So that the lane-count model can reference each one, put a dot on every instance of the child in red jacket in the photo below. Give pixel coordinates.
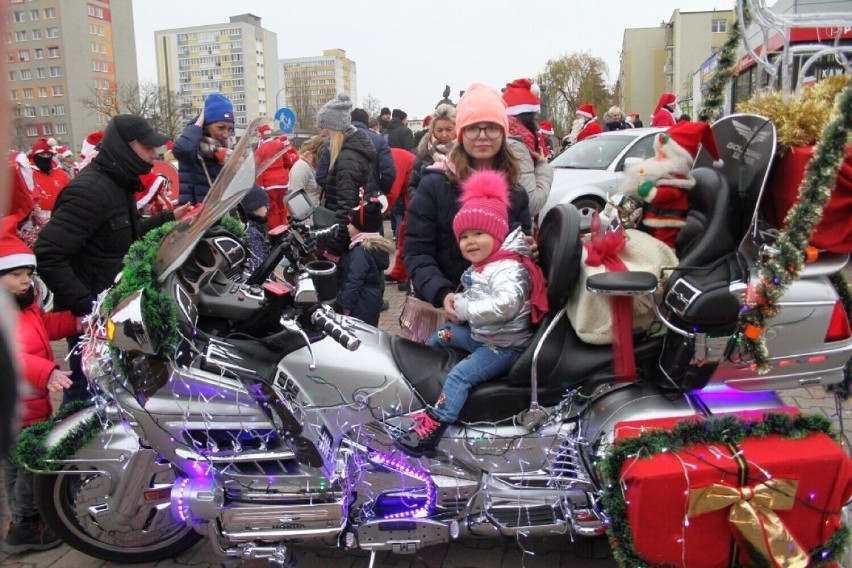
(35, 331)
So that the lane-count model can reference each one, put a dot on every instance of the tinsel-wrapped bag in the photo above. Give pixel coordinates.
(419, 320)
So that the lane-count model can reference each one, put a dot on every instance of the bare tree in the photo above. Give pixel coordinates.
(372, 105)
(158, 105)
(570, 81)
(300, 102)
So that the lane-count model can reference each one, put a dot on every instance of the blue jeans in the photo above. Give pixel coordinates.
(484, 363)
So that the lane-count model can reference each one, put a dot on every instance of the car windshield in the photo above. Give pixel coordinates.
(595, 153)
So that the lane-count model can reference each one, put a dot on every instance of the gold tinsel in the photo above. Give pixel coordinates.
(799, 120)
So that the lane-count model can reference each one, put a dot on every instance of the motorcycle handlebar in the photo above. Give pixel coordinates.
(335, 330)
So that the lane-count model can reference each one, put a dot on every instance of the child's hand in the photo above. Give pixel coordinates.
(81, 323)
(450, 308)
(58, 380)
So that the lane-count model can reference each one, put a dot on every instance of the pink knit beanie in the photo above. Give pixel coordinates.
(485, 205)
(481, 103)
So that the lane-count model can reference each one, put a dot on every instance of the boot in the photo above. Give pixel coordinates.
(424, 438)
(29, 535)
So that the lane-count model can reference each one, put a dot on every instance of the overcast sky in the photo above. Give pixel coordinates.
(406, 51)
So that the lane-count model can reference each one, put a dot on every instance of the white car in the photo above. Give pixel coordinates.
(591, 170)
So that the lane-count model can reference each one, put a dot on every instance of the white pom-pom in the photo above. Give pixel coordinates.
(535, 89)
(718, 163)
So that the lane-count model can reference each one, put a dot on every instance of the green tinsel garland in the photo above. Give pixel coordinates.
(782, 269)
(234, 226)
(714, 97)
(159, 308)
(687, 433)
(31, 451)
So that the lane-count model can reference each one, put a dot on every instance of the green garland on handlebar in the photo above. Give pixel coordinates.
(31, 449)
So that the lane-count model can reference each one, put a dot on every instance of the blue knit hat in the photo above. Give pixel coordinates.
(217, 108)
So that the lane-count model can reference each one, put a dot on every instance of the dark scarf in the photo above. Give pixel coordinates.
(45, 164)
(120, 160)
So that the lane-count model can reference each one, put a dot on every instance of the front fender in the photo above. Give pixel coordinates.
(91, 439)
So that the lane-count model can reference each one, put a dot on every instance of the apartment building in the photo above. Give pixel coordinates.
(665, 59)
(59, 52)
(238, 59)
(310, 82)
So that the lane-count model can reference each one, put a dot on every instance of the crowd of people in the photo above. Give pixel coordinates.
(463, 197)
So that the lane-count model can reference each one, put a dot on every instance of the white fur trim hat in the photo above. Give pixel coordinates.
(13, 252)
(520, 98)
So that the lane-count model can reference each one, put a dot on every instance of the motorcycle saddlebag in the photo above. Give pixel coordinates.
(699, 298)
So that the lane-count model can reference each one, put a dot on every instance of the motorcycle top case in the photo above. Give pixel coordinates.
(657, 494)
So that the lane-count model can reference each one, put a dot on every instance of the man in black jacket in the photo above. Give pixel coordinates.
(398, 132)
(95, 220)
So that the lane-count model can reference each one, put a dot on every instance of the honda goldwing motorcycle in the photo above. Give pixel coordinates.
(252, 414)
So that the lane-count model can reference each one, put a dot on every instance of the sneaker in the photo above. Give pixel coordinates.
(385, 305)
(424, 438)
(402, 286)
(30, 535)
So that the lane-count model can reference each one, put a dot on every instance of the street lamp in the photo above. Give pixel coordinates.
(278, 94)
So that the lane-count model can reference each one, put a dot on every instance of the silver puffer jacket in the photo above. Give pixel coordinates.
(496, 300)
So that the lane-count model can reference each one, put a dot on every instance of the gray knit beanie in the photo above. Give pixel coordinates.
(334, 114)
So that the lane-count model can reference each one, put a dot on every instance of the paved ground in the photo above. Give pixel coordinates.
(496, 553)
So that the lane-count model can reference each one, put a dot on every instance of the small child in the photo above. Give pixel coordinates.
(35, 330)
(504, 296)
(362, 270)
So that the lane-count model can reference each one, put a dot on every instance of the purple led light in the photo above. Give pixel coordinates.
(182, 510)
(408, 471)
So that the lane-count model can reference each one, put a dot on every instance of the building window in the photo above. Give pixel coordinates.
(13, 75)
(49, 13)
(52, 33)
(719, 26)
(21, 36)
(29, 111)
(62, 128)
(34, 15)
(20, 17)
(26, 74)
(39, 53)
(42, 92)
(23, 55)
(45, 110)
(40, 73)
(55, 72)
(57, 91)
(28, 93)
(32, 130)
(59, 109)
(47, 130)
(36, 34)
(13, 94)
(52, 52)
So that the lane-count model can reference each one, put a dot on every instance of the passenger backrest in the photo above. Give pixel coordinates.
(708, 233)
(559, 252)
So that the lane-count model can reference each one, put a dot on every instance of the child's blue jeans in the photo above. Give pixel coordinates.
(484, 363)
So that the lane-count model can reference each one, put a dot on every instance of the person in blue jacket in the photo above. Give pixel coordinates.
(362, 280)
(203, 147)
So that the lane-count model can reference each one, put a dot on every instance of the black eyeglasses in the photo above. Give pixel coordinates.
(492, 131)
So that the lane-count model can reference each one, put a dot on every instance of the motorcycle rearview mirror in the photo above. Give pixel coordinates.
(299, 204)
(126, 327)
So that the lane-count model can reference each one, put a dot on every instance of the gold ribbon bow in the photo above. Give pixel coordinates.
(752, 513)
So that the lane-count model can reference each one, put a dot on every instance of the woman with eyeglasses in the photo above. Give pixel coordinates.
(431, 254)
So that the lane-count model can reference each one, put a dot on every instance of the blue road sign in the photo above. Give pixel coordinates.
(286, 120)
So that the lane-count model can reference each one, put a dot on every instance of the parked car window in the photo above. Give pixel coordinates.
(643, 150)
(595, 153)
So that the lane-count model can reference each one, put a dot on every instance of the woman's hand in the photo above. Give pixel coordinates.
(450, 308)
(533, 246)
(200, 120)
(58, 380)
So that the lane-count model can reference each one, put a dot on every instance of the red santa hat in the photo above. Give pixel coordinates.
(64, 151)
(13, 252)
(546, 128)
(151, 184)
(265, 131)
(665, 99)
(41, 146)
(427, 121)
(91, 141)
(684, 138)
(588, 111)
(520, 97)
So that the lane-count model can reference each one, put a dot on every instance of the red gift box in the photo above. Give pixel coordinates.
(834, 232)
(657, 489)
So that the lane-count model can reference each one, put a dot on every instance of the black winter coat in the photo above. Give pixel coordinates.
(362, 287)
(349, 174)
(431, 254)
(399, 135)
(194, 184)
(94, 222)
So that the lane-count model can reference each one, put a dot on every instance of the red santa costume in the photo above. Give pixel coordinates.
(35, 330)
(662, 182)
(49, 178)
(153, 198)
(275, 179)
(545, 131)
(586, 124)
(664, 113)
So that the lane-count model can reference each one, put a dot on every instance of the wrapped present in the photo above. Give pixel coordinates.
(758, 500)
(834, 232)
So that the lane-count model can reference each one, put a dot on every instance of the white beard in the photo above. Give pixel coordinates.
(663, 165)
(576, 128)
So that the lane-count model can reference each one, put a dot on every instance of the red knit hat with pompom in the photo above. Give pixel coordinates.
(485, 205)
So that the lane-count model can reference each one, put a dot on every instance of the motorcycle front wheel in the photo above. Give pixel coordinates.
(75, 507)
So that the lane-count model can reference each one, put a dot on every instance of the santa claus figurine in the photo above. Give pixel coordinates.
(661, 183)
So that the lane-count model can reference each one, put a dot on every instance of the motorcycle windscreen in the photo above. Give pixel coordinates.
(230, 187)
(746, 144)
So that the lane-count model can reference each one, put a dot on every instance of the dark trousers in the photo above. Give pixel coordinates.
(79, 389)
